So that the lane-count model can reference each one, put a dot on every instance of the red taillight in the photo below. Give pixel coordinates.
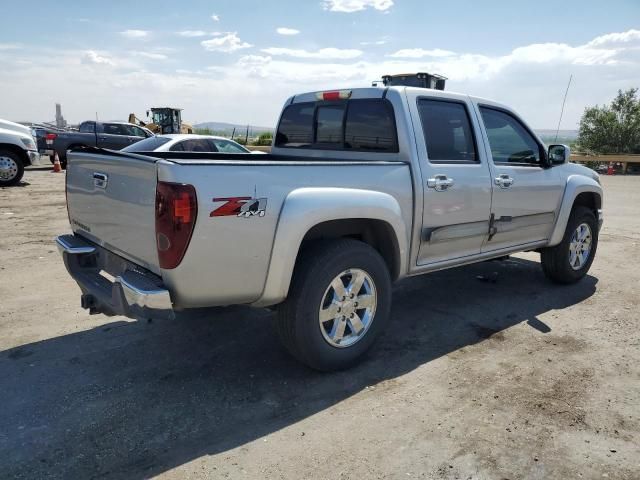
(49, 138)
(176, 211)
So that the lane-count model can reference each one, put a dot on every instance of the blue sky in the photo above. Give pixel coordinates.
(238, 61)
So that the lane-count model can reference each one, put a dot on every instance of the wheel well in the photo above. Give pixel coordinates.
(17, 150)
(590, 200)
(376, 233)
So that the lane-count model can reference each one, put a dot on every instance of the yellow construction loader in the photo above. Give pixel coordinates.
(163, 120)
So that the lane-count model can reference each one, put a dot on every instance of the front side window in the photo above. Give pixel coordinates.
(447, 131)
(509, 140)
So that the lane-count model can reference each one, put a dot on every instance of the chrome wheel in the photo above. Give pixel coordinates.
(8, 168)
(580, 246)
(348, 307)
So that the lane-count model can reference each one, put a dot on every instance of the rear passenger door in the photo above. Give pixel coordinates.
(455, 177)
(526, 193)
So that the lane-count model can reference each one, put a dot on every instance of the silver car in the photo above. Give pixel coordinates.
(187, 143)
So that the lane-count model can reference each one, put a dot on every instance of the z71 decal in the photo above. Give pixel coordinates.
(240, 207)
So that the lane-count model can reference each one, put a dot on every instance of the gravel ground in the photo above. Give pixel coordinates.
(474, 380)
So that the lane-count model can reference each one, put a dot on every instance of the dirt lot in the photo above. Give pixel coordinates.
(475, 380)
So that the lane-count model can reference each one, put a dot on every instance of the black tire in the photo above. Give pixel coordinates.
(19, 171)
(555, 260)
(297, 319)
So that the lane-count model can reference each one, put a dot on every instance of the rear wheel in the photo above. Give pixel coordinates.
(11, 168)
(338, 303)
(571, 259)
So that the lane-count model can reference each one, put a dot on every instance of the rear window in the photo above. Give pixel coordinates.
(354, 125)
(146, 145)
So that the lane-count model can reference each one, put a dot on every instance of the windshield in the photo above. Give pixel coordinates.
(146, 145)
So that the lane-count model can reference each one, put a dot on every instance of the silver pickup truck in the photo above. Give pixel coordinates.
(363, 187)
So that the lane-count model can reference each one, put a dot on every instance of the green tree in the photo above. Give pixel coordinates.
(264, 138)
(613, 128)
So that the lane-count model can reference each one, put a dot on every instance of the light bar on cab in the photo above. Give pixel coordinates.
(334, 95)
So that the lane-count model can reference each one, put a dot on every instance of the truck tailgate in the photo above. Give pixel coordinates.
(111, 201)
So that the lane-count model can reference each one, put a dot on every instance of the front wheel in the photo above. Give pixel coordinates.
(571, 259)
(338, 303)
(11, 168)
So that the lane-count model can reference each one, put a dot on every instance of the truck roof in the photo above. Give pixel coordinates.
(380, 92)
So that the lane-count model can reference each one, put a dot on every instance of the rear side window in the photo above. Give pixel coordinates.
(447, 131)
(87, 127)
(114, 129)
(354, 125)
(194, 145)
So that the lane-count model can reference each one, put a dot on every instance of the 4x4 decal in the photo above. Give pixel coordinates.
(240, 207)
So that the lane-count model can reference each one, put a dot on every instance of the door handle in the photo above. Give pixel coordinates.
(440, 183)
(504, 181)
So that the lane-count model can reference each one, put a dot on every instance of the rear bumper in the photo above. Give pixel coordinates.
(127, 289)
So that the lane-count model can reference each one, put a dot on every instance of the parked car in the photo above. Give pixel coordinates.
(111, 135)
(18, 149)
(363, 187)
(187, 143)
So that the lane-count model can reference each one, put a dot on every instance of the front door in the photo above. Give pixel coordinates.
(456, 179)
(526, 193)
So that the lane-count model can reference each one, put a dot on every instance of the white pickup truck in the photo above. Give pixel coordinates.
(18, 149)
(363, 187)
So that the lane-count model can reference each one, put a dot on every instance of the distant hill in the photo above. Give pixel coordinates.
(228, 127)
(564, 135)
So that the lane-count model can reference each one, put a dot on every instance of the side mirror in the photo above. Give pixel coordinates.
(559, 154)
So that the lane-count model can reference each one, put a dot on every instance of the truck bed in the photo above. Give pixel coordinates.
(228, 258)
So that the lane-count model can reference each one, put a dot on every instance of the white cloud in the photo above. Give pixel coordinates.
(227, 43)
(135, 33)
(375, 42)
(215, 18)
(349, 6)
(531, 78)
(615, 38)
(95, 58)
(420, 53)
(192, 33)
(9, 46)
(150, 55)
(287, 31)
(323, 53)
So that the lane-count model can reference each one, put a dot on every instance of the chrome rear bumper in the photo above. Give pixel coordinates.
(130, 291)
